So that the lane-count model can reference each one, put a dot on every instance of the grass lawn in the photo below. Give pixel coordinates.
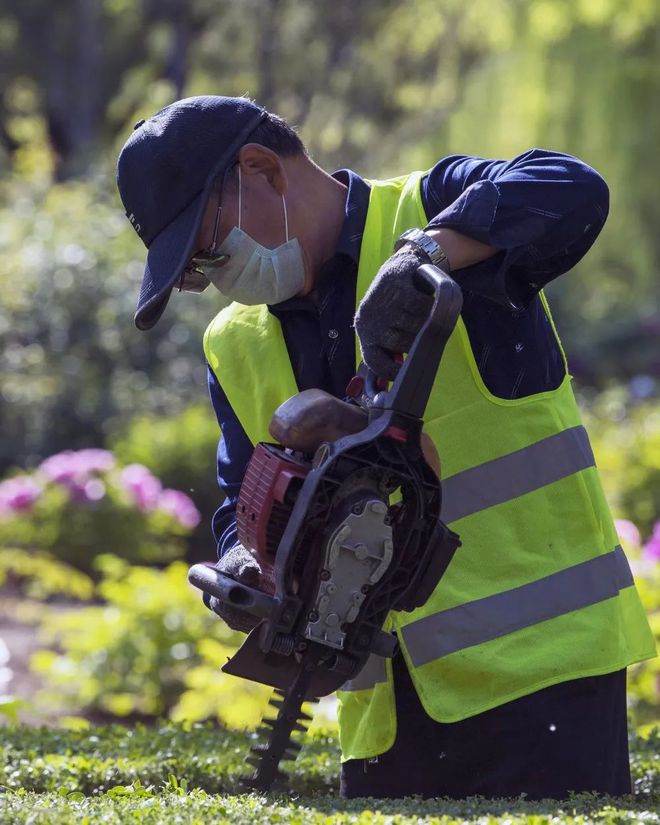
(169, 774)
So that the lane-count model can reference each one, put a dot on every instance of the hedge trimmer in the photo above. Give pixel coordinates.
(345, 527)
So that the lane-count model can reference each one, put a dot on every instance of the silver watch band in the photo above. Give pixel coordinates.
(435, 252)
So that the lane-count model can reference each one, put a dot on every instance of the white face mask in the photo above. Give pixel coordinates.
(255, 274)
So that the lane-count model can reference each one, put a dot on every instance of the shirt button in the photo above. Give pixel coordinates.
(333, 333)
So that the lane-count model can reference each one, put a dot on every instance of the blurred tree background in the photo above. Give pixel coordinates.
(380, 86)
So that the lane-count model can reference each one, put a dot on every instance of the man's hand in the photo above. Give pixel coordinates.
(237, 563)
(392, 312)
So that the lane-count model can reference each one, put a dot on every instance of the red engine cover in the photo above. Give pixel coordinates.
(263, 511)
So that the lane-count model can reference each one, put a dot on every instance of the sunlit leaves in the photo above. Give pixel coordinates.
(549, 20)
(152, 648)
(626, 441)
(41, 576)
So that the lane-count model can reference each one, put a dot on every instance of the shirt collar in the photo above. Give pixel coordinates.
(355, 214)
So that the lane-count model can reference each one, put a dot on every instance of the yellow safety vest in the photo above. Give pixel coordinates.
(540, 591)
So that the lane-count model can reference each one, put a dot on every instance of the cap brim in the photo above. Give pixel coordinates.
(167, 258)
(173, 247)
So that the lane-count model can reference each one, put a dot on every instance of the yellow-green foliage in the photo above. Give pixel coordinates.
(210, 694)
(644, 678)
(40, 576)
(151, 649)
(626, 443)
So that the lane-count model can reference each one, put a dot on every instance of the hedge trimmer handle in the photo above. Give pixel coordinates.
(411, 388)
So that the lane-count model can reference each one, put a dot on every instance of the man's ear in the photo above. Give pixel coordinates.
(256, 159)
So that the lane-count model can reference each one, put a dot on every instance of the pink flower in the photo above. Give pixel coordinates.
(61, 467)
(180, 506)
(75, 466)
(89, 492)
(18, 494)
(143, 486)
(651, 550)
(74, 470)
(628, 532)
(95, 461)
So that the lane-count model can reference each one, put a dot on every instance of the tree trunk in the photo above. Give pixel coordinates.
(268, 51)
(176, 69)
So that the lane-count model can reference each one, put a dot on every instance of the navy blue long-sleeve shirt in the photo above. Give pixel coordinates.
(542, 209)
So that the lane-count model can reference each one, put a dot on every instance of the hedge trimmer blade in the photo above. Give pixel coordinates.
(280, 744)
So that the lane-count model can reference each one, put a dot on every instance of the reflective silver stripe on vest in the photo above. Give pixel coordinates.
(373, 672)
(489, 618)
(515, 474)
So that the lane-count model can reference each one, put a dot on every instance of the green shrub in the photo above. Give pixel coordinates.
(140, 652)
(98, 758)
(80, 504)
(173, 774)
(181, 451)
(73, 368)
(625, 436)
(626, 441)
(135, 804)
(644, 677)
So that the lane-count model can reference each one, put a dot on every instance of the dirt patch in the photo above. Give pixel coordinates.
(19, 639)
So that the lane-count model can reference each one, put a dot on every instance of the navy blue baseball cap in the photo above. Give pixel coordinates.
(165, 174)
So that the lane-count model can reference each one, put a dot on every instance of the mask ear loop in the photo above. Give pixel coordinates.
(240, 206)
(240, 201)
(286, 219)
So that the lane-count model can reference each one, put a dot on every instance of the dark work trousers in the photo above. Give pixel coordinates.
(568, 737)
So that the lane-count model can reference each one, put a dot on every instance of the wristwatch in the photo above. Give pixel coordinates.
(435, 252)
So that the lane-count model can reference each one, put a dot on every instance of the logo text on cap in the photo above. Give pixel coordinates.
(136, 226)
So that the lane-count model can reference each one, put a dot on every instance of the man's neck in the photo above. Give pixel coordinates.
(318, 202)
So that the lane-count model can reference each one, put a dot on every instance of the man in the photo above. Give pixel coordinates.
(512, 676)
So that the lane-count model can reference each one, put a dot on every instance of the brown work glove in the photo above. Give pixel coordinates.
(392, 312)
(239, 564)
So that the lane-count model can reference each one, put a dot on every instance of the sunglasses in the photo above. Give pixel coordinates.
(196, 276)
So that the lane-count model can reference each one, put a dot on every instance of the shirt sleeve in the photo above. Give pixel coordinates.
(542, 209)
(234, 452)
